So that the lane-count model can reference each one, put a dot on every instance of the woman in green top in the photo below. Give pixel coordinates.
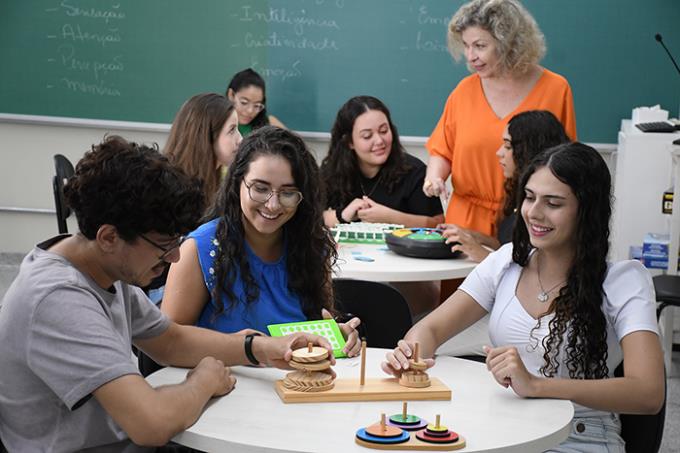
(246, 91)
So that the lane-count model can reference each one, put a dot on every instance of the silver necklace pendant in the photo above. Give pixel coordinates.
(542, 297)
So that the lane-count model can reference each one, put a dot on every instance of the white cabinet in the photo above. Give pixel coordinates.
(644, 165)
(643, 173)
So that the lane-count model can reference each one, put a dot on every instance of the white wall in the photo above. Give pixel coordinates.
(26, 169)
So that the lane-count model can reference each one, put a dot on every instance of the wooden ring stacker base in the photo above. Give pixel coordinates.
(311, 366)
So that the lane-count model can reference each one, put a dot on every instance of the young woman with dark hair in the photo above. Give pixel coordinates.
(265, 256)
(526, 135)
(247, 92)
(561, 317)
(203, 139)
(367, 174)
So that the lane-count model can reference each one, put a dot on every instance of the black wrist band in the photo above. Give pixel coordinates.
(248, 346)
(338, 214)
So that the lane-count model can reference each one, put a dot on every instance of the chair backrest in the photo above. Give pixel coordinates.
(63, 170)
(643, 433)
(383, 311)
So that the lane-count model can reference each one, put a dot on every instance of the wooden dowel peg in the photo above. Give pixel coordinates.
(416, 353)
(362, 378)
(382, 422)
(437, 424)
(403, 410)
(310, 347)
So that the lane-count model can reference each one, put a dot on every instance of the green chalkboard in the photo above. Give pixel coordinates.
(138, 60)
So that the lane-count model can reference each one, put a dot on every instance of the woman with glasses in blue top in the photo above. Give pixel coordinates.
(264, 257)
(246, 91)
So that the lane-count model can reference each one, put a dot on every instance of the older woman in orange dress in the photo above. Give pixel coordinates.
(502, 45)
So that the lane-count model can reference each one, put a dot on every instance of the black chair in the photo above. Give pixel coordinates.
(146, 364)
(384, 313)
(64, 170)
(643, 433)
(667, 288)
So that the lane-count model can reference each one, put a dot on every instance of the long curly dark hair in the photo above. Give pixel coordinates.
(530, 133)
(578, 307)
(244, 79)
(311, 252)
(340, 168)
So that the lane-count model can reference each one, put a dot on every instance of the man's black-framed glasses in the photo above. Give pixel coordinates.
(166, 250)
(261, 193)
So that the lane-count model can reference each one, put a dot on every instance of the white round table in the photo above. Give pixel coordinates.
(378, 263)
(253, 418)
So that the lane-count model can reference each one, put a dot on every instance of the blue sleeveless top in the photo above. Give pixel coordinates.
(275, 304)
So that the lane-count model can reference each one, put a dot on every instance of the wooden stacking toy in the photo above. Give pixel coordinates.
(313, 370)
(416, 375)
(313, 382)
(395, 435)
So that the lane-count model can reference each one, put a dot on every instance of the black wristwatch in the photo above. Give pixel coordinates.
(248, 346)
(338, 214)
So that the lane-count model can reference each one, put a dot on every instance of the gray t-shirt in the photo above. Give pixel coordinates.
(61, 338)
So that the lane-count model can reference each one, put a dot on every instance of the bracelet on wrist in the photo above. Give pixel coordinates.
(338, 214)
(248, 346)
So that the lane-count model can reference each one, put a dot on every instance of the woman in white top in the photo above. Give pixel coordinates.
(561, 317)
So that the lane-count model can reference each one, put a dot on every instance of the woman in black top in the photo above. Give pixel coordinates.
(367, 174)
(525, 136)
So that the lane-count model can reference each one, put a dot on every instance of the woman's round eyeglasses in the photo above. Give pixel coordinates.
(246, 104)
(261, 193)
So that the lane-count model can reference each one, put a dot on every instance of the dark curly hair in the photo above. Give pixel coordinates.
(134, 188)
(311, 250)
(247, 78)
(578, 307)
(340, 168)
(530, 133)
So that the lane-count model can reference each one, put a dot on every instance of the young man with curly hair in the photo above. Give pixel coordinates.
(68, 380)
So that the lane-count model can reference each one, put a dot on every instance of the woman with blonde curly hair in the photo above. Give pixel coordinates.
(502, 46)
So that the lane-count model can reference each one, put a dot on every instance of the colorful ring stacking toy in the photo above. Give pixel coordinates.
(420, 243)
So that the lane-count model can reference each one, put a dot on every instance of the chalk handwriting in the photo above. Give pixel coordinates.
(98, 68)
(298, 20)
(338, 3)
(93, 13)
(424, 18)
(429, 45)
(97, 89)
(275, 40)
(276, 73)
(76, 34)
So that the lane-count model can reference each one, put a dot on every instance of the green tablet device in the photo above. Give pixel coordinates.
(327, 328)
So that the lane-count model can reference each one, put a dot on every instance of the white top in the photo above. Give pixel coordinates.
(377, 263)
(629, 305)
(253, 418)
